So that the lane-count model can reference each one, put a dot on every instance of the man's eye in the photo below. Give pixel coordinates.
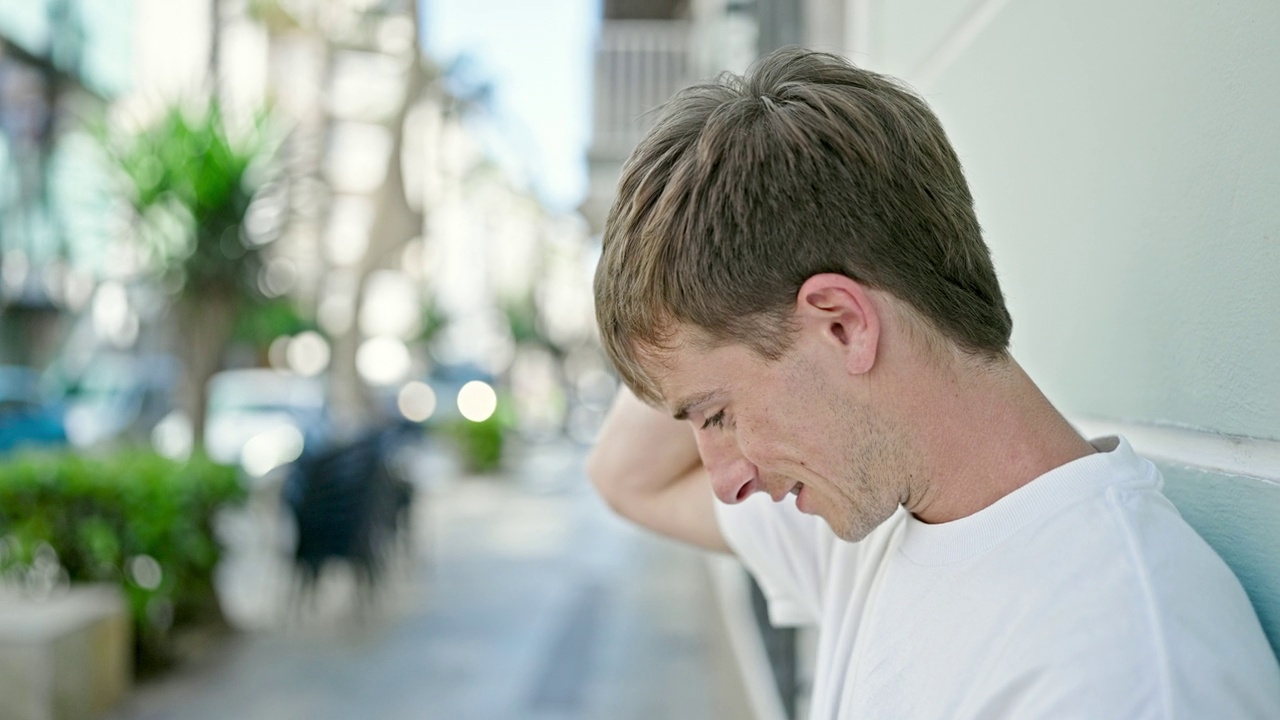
(716, 420)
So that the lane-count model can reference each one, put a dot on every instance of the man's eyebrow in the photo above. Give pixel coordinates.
(684, 406)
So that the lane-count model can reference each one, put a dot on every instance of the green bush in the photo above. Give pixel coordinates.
(480, 444)
(135, 519)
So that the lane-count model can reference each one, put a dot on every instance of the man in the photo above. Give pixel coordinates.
(793, 269)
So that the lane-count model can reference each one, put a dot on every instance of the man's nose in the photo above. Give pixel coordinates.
(733, 477)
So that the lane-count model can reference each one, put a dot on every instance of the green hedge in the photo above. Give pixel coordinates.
(481, 445)
(135, 518)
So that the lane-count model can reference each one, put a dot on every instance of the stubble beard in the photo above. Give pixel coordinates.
(872, 492)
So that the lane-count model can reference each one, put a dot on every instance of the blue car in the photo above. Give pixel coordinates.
(26, 418)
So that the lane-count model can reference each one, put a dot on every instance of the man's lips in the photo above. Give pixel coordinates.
(803, 499)
(793, 490)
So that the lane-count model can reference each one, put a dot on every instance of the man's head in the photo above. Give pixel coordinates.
(748, 186)
(768, 234)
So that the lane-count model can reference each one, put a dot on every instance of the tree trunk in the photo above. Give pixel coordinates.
(205, 321)
(215, 47)
(395, 224)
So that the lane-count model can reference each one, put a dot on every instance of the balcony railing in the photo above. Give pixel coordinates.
(639, 65)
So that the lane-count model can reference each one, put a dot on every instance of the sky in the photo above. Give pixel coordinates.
(538, 56)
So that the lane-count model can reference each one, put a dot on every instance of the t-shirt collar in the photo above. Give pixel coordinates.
(969, 536)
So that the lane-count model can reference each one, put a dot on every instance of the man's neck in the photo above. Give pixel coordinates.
(985, 432)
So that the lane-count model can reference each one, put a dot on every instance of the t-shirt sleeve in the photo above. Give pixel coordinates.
(786, 551)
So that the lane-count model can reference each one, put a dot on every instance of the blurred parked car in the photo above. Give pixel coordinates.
(27, 416)
(262, 419)
(119, 397)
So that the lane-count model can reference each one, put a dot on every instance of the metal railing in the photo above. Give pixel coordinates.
(639, 65)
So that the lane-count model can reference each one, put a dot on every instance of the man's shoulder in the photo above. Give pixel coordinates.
(1130, 603)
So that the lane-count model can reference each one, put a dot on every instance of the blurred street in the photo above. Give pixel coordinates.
(525, 598)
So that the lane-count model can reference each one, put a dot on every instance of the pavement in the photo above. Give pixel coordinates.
(522, 597)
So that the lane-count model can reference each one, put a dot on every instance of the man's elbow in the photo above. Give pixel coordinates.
(605, 478)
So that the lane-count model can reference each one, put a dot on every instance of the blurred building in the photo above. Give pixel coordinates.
(59, 59)
(394, 215)
(400, 216)
(647, 51)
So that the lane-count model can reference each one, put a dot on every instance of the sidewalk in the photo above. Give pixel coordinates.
(526, 600)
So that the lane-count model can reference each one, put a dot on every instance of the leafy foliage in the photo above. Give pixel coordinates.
(258, 325)
(191, 185)
(135, 519)
(522, 317)
(433, 322)
(206, 214)
(482, 445)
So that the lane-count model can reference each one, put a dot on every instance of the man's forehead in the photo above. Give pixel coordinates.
(665, 381)
(682, 376)
(657, 361)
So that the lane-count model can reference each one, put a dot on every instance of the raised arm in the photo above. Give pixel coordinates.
(646, 467)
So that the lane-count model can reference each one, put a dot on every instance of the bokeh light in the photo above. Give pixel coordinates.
(173, 437)
(146, 572)
(383, 360)
(416, 401)
(308, 353)
(270, 449)
(477, 401)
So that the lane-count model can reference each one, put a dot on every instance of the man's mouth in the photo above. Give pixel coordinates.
(795, 489)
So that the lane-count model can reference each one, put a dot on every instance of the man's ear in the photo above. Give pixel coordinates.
(840, 312)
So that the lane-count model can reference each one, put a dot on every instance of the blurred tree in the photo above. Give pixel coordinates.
(261, 323)
(337, 29)
(396, 222)
(526, 326)
(192, 186)
(432, 323)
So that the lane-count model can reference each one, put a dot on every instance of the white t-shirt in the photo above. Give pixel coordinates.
(1080, 595)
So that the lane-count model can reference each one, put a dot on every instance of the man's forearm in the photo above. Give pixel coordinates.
(646, 467)
(640, 451)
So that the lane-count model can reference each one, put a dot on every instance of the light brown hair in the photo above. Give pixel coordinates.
(748, 186)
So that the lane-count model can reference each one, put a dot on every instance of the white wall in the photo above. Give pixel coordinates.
(1126, 164)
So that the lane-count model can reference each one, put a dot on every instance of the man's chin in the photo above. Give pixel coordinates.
(853, 529)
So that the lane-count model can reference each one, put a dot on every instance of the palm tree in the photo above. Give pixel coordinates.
(191, 185)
